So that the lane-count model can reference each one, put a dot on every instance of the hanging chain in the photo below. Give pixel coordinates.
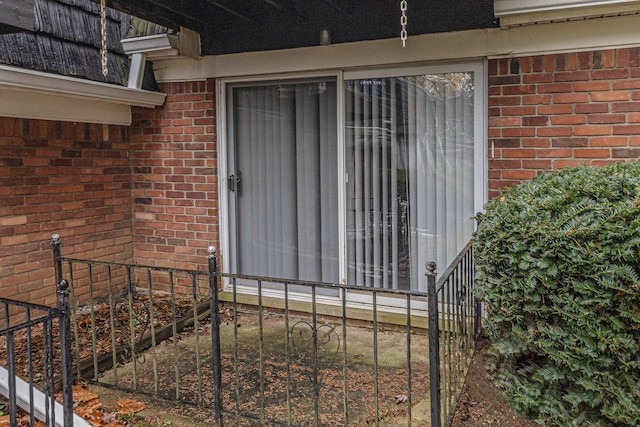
(103, 30)
(403, 22)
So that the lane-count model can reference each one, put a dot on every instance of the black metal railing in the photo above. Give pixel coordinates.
(275, 351)
(454, 327)
(36, 356)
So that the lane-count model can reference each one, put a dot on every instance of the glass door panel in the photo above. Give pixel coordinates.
(410, 176)
(282, 187)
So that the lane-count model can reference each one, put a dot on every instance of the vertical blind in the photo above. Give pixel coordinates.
(410, 168)
(285, 209)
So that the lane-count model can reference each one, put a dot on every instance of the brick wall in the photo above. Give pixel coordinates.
(175, 193)
(552, 111)
(58, 177)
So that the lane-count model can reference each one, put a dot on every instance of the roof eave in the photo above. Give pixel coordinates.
(69, 99)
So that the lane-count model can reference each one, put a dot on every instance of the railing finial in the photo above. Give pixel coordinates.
(55, 239)
(212, 251)
(431, 268)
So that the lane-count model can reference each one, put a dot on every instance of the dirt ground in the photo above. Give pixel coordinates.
(481, 404)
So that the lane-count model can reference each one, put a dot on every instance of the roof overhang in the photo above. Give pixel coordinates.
(32, 94)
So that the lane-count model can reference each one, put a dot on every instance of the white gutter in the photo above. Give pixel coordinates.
(33, 94)
(527, 12)
(38, 82)
(510, 7)
(38, 405)
(158, 46)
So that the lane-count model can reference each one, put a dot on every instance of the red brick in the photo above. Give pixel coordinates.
(610, 96)
(584, 60)
(549, 63)
(592, 86)
(609, 74)
(571, 76)
(536, 99)
(585, 153)
(608, 141)
(519, 90)
(537, 78)
(572, 119)
(519, 174)
(505, 164)
(555, 109)
(554, 153)
(560, 164)
(569, 142)
(536, 142)
(536, 164)
(570, 98)
(608, 58)
(626, 130)
(554, 131)
(555, 88)
(518, 111)
(572, 61)
(626, 84)
(535, 121)
(511, 132)
(505, 100)
(592, 130)
(625, 106)
(504, 121)
(608, 118)
(492, 67)
(592, 108)
(518, 153)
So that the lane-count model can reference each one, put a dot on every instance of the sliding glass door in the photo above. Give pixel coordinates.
(283, 179)
(360, 180)
(410, 165)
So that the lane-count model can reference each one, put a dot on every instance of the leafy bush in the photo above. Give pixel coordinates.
(558, 259)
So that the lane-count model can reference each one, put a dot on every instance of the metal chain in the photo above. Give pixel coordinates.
(403, 22)
(103, 30)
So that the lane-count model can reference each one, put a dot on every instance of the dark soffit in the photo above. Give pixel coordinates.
(232, 26)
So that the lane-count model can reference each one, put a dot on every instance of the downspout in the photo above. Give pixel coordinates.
(159, 46)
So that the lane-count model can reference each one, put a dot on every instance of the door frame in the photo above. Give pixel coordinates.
(223, 156)
(478, 67)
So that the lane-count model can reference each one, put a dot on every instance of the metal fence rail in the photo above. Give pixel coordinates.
(454, 327)
(34, 360)
(275, 351)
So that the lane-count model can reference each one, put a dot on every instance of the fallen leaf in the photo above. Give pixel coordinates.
(130, 406)
(81, 394)
(400, 398)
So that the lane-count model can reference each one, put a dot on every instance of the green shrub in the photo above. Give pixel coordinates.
(558, 260)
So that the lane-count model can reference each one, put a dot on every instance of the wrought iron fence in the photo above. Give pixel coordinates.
(454, 327)
(36, 351)
(275, 351)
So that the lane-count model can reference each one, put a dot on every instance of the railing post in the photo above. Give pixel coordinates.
(64, 324)
(215, 336)
(57, 261)
(434, 345)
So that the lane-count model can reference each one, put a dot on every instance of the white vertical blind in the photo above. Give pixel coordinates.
(410, 193)
(285, 150)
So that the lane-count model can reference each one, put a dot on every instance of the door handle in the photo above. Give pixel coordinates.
(233, 183)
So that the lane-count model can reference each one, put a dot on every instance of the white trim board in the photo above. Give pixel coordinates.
(36, 95)
(39, 403)
(571, 36)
